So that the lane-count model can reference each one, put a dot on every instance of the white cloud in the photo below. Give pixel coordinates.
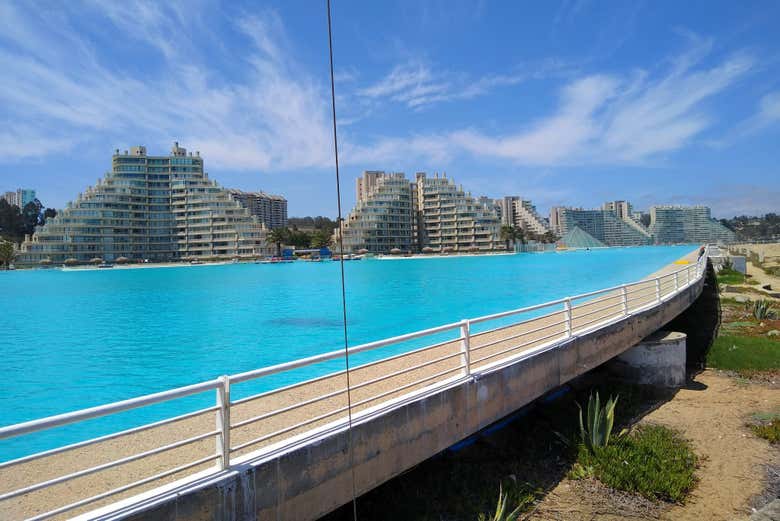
(606, 119)
(416, 85)
(268, 116)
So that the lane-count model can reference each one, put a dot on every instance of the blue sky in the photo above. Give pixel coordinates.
(572, 103)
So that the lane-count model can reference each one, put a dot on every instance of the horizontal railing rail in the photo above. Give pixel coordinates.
(310, 404)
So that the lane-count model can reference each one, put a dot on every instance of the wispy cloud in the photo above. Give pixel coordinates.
(418, 85)
(268, 116)
(608, 119)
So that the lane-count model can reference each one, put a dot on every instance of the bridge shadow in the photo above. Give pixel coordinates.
(528, 453)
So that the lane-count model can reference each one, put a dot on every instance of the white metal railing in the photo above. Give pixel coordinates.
(552, 323)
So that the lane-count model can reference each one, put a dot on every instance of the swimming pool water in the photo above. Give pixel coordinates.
(75, 339)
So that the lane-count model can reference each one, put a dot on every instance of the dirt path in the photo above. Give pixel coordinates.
(711, 413)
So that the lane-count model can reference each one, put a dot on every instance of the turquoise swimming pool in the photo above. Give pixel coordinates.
(75, 339)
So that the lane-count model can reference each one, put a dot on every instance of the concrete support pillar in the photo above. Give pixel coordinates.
(658, 360)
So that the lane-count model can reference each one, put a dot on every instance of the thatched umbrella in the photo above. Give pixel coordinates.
(395, 251)
(362, 251)
(122, 260)
(44, 262)
(428, 249)
(448, 249)
(96, 260)
(71, 262)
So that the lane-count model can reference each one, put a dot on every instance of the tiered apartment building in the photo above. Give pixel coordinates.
(605, 225)
(270, 209)
(393, 212)
(521, 213)
(383, 217)
(687, 224)
(449, 219)
(160, 208)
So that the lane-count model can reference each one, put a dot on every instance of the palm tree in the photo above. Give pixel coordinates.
(278, 236)
(508, 234)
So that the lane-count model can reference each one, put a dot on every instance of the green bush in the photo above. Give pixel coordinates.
(653, 461)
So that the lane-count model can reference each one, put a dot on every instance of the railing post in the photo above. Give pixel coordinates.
(465, 346)
(223, 422)
(567, 316)
(624, 294)
(676, 281)
(658, 289)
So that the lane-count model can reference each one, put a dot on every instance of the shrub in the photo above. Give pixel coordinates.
(600, 420)
(763, 310)
(502, 513)
(654, 461)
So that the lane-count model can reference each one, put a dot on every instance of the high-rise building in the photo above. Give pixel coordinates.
(24, 196)
(603, 225)
(271, 210)
(521, 213)
(383, 217)
(10, 198)
(687, 224)
(21, 197)
(431, 212)
(160, 208)
(451, 219)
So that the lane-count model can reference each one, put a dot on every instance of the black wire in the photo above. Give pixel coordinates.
(341, 263)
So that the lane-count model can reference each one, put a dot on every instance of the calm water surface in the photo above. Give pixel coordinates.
(75, 339)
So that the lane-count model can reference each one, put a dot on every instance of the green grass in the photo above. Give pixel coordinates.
(727, 276)
(769, 431)
(653, 461)
(746, 353)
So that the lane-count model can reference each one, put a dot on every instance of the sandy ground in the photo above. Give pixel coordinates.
(769, 253)
(299, 404)
(712, 413)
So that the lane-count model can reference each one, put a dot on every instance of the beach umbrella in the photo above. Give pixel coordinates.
(71, 262)
(447, 249)
(428, 249)
(395, 251)
(362, 251)
(122, 260)
(473, 248)
(44, 261)
(96, 260)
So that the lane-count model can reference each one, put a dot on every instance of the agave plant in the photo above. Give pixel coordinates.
(501, 513)
(600, 420)
(763, 310)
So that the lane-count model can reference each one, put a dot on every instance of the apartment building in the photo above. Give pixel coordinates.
(383, 217)
(604, 225)
(687, 224)
(161, 208)
(449, 219)
(270, 209)
(393, 212)
(521, 213)
(21, 197)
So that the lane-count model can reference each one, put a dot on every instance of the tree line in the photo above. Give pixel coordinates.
(750, 228)
(303, 232)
